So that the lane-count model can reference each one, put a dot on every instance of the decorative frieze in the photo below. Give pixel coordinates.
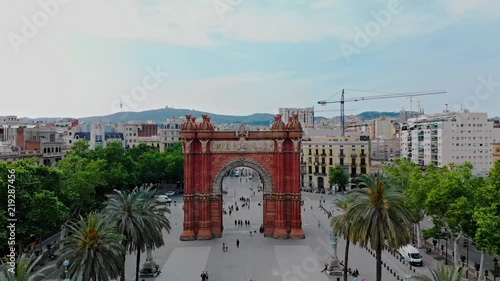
(242, 146)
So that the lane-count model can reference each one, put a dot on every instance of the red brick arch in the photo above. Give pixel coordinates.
(210, 155)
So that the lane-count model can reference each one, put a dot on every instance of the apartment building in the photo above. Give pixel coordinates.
(30, 140)
(306, 115)
(449, 137)
(170, 132)
(385, 150)
(134, 132)
(319, 154)
(496, 151)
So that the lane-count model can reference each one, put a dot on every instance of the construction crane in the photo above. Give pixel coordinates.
(386, 95)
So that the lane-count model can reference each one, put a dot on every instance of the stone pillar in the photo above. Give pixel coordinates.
(216, 207)
(204, 232)
(280, 228)
(297, 232)
(188, 226)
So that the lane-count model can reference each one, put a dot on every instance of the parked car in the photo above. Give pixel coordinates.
(170, 193)
(163, 199)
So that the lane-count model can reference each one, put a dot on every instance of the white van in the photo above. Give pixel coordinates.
(411, 255)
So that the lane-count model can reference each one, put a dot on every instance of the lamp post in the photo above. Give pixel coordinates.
(66, 264)
(467, 272)
(496, 269)
(446, 253)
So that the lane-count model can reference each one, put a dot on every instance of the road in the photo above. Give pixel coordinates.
(474, 254)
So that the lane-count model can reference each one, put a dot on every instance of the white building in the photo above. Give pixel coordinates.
(450, 137)
(306, 115)
(170, 132)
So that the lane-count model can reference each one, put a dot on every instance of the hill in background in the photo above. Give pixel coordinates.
(160, 115)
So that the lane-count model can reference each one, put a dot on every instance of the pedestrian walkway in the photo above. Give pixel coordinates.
(299, 263)
(185, 264)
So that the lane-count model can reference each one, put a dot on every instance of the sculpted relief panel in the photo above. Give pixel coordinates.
(242, 146)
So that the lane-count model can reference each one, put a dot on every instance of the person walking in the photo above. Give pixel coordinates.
(237, 243)
(324, 269)
(235, 223)
(229, 212)
(203, 276)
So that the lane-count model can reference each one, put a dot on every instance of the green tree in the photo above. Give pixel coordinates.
(81, 178)
(341, 225)
(94, 251)
(378, 215)
(24, 270)
(138, 220)
(338, 176)
(486, 215)
(441, 274)
(451, 203)
(30, 179)
(415, 184)
(47, 213)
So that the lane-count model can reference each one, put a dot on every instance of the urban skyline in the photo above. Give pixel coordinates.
(251, 52)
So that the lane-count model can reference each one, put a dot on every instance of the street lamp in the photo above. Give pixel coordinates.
(66, 264)
(467, 272)
(496, 269)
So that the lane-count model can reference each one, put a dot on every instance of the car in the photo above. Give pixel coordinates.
(163, 199)
(170, 193)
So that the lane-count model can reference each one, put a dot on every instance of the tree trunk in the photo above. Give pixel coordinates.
(379, 262)
(419, 236)
(455, 250)
(481, 268)
(122, 277)
(346, 257)
(137, 264)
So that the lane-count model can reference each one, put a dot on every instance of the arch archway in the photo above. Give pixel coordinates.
(210, 155)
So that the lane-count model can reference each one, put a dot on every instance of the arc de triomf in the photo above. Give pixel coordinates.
(210, 155)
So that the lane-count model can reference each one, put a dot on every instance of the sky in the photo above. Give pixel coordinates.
(78, 58)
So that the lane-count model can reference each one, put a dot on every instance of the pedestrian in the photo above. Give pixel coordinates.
(237, 243)
(203, 277)
(229, 212)
(223, 247)
(324, 269)
(248, 222)
(311, 207)
(206, 275)
(235, 223)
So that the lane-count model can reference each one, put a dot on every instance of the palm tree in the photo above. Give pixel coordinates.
(341, 225)
(378, 215)
(139, 220)
(94, 251)
(442, 274)
(24, 270)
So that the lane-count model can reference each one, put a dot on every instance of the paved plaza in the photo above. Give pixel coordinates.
(258, 258)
